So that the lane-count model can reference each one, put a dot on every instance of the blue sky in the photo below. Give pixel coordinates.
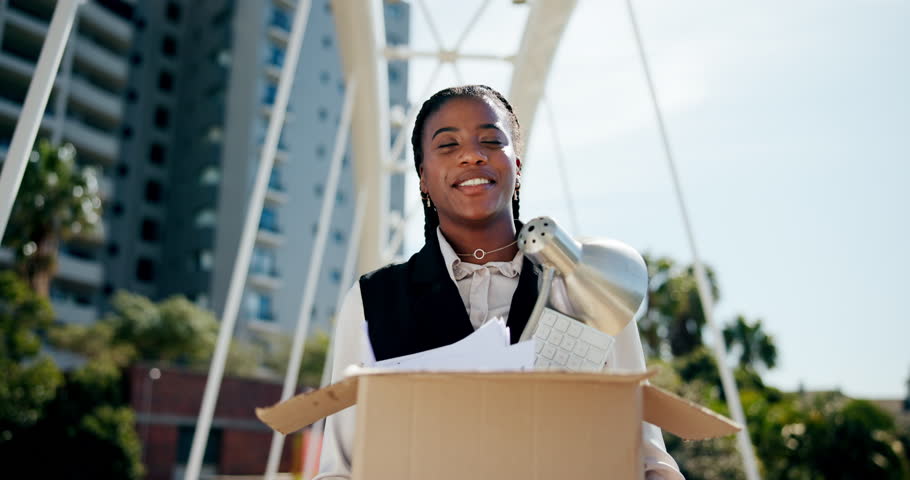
(790, 122)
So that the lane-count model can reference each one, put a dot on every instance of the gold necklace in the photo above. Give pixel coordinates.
(480, 253)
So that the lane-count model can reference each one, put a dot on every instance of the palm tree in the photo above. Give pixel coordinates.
(753, 344)
(57, 200)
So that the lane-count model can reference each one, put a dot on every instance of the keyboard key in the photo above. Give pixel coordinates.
(538, 345)
(597, 356)
(548, 351)
(561, 358)
(590, 366)
(562, 324)
(581, 349)
(555, 338)
(541, 363)
(542, 332)
(568, 343)
(574, 362)
(597, 338)
(575, 329)
(548, 318)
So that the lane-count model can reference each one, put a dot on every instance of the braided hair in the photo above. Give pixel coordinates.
(433, 105)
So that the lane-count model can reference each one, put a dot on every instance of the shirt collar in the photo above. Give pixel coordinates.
(458, 269)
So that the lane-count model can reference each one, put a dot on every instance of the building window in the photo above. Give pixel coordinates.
(259, 306)
(320, 151)
(165, 81)
(281, 19)
(172, 12)
(268, 97)
(338, 237)
(156, 154)
(131, 95)
(318, 189)
(123, 170)
(145, 270)
(324, 77)
(169, 45)
(335, 275)
(210, 175)
(204, 260)
(205, 217)
(269, 219)
(136, 58)
(263, 262)
(162, 117)
(393, 75)
(153, 191)
(340, 198)
(113, 249)
(117, 209)
(276, 56)
(149, 231)
(327, 41)
(127, 132)
(322, 113)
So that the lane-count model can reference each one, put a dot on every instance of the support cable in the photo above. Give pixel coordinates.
(247, 240)
(561, 167)
(701, 279)
(39, 90)
(312, 280)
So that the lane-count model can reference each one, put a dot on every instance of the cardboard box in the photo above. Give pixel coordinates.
(495, 425)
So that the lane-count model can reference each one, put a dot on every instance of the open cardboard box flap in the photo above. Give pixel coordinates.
(681, 417)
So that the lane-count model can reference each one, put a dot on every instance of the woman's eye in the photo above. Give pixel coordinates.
(492, 142)
(444, 145)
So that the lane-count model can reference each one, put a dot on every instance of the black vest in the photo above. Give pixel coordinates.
(415, 306)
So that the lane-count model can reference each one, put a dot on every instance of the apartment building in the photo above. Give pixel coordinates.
(171, 99)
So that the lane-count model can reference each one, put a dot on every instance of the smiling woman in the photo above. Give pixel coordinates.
(467, 147)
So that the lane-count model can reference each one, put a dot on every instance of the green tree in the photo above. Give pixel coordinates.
(315, 352)
(57, 200)
(173, 332)
(754, 347)
(28, 379)
(674, 320)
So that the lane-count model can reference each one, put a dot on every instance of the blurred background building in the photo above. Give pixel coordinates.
(170, 100)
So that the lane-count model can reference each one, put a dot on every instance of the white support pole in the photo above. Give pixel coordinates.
(350, 262)
(312, 280)
(39, 90)
(701, 279)
(247, 240)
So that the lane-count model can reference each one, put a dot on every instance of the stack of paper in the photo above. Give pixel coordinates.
(487, 348)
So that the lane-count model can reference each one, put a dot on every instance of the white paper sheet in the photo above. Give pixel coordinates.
(487, 348)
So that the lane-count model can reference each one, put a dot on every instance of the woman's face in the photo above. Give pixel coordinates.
(469, 163)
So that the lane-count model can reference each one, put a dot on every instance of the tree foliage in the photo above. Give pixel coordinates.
(57, 200)
(796, 436)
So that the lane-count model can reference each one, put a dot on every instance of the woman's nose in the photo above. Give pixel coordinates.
(473, 155)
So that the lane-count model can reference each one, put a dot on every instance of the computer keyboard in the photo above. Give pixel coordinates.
(565, 343)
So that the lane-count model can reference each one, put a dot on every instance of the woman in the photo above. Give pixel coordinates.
(466, 142)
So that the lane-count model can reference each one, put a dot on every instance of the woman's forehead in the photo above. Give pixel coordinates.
(466, 112)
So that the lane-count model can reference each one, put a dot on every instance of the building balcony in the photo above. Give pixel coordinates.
(116, 27)
(86, 138)
(265, 325)
(279, 35)
(270, 236)
(78, 270)
(101, 60)
(265, 280)
(10, 63)
(96, 99)
(69, 311)
(276, 194)
(33, 26)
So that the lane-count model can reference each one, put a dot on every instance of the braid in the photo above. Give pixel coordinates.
(431, 106)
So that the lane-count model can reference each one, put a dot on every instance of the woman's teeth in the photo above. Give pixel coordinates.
(473, 181)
